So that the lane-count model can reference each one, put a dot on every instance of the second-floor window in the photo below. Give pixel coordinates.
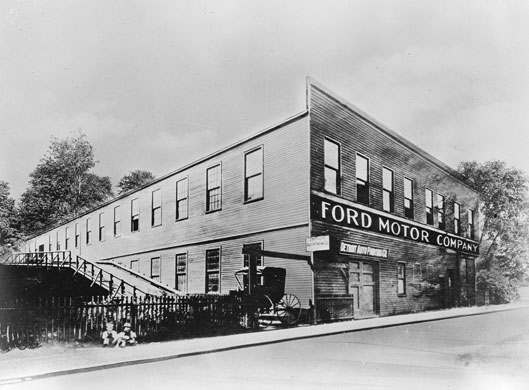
(77, 235)
(117, 221)
(253, 175)
(156, 210)
(408, 198)
(66, 239)
(331, 166)
(457, 218)
(181, 199)
(470, 225)
(58, 239)
(213, 188)
(134, 215)
(362, 179)
(101, 227)
(387, 190)
(441, 211)
(429, 206)
(88, 231)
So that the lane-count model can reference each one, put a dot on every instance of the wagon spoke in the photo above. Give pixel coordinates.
(288, 309)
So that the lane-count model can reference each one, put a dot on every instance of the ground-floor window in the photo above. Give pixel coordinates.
(181, 272)
(417, 279)
(155, 269)
(212, 270)
(401, 278)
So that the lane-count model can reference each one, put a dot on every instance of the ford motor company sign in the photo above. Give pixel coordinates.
(352, 216)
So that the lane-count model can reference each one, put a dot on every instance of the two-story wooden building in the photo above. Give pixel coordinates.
(387, 227)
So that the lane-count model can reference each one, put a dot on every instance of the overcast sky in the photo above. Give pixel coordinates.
(158, 84)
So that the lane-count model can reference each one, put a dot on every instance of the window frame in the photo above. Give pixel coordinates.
(365, 190)
(441, 211)
(134, 218)
(213, 272)
(185, 199)
(101, 229)
(255, 175)
(58, 240)
(457, 218)
(336, 170)
(409, 212)
(428, 209)
(390, 192)
(135, 261)
(470, 224)
(66, 238)
(117, 221)
(156, 209)
(179, 273)
(246, 258)
(77, 235)
(159, 274)
(401, 265)
(88, 235)
(209, 190)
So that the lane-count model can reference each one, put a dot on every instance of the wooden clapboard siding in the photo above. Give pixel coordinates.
(282, 215)
(338, 121)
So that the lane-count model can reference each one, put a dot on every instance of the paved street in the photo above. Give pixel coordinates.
(489, 351)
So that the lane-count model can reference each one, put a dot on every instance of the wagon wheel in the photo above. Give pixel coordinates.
(288, 309)
(266, 312)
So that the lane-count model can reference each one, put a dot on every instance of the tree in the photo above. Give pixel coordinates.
(133, 180)
(504, 210)
(8, 232)
(62, 186)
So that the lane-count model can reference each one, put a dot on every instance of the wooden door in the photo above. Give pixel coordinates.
(363, 278)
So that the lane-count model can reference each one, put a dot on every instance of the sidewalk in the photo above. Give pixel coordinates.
(47, 361)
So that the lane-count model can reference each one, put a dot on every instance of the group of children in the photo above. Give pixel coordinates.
(126, 337)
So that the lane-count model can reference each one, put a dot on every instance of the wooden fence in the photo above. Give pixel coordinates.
(66, 320)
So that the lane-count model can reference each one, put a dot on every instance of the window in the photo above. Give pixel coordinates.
(387, 190)
(102, 227)
(429, 206)
(66, 238)
(88, 231)
(417, 278)
(457, 218)
(213, 192)
(181, 272)
(401, 278)
(331, 166)
(77, 235)
(441, 211)
(362, 179)
(156, 210)
(181, 199)
(134, 215)
(58, 239)
(253, 175)
(117, 221)
(212, 270)
(408, 198)
(155, 269)
(470, 271)
(135, 265)
(471, 223)
(429, 273)
(50, 245)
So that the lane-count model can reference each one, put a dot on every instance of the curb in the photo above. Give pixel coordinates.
(322, 333)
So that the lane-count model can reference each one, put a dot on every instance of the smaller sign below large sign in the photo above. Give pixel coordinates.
(354, 249)
(319, 243)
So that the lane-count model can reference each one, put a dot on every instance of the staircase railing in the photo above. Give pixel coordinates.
(90, 270)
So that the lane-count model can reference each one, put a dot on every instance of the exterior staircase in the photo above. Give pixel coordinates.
(118, 281)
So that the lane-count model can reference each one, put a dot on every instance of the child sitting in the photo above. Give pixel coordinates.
(110, 336)
(127, 336)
